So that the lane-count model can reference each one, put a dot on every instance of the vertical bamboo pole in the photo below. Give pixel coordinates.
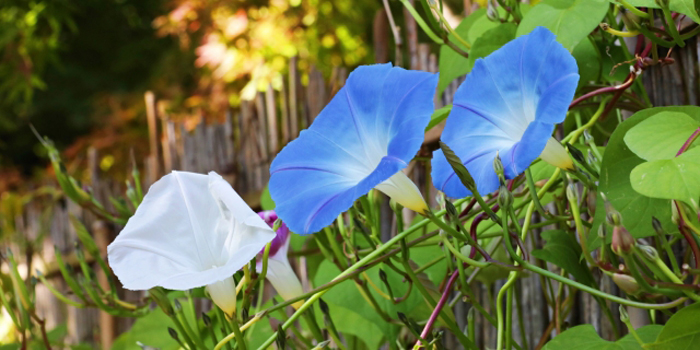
(152, 136)
(293, 106)
(272, 128)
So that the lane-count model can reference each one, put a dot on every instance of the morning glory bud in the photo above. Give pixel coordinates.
(622, 241)
(505, 197)
(279, 270)
(626, 283)
(648, 252)
(498, 168)
(657, 226)
(173, 334)
(451, 210)
(675, 215)
(624, 316)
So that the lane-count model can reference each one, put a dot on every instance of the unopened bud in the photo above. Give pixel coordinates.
(576, 153)
(675, 215)
(402, 317)
(383, 276)
(591, 200)
(173, 334)
(177, 305)
(648, 252)
(624, 316)
(613, 218)
(626, 283)
(602, 231)
(505, 197)
(657, 226)
(324, 306)
(277, 224)
(451, 210)
(498, 168)
(622, 241)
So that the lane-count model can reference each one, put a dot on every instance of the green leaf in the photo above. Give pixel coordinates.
(266, 202)
(686, 7)
(452, 64)
(589, 64)
(584, 337)
(675, 178)
(682, 331)
(661, 136)
(570, 20)
(563, 250)
(618, 162)
(151, 330)
(640, 3)
(437, 117)
(491, 41)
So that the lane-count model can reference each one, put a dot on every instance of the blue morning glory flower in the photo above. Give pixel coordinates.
(361, 140)
(508, 105)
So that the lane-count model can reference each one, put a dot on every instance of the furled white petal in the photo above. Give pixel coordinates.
(555, 154)
(281, 275)
(190, 230)
(402, 190)
(223, 293)
(283, 279)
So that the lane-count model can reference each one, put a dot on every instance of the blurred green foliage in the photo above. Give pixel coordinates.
(73, 67)
(60, 57)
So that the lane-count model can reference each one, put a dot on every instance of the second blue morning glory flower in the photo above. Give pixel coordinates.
(361, 140)
(508, 105)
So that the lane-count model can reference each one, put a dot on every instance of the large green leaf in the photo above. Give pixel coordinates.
(584, 337)
(675, 178)
(661, 136)
(452, 64)
(589, 64)
(151, 330)
(491, 41)
(561, 249)
(682, 331)
(570, 20)
(686, 7)
(618, 161)
(352, 314)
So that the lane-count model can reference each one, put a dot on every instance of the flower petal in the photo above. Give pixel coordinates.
(369, 131)
(284, 279)
(179, 239)
(508, 104)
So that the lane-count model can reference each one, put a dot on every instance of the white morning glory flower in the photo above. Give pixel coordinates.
(191, 230)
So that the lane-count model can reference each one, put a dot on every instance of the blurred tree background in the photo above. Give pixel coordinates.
(77, 70)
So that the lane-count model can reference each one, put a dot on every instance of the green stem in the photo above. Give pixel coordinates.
(421, 22)
(631, 8)
(360, 264)
(240, 341)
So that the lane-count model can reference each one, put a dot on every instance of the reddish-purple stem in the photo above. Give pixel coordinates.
(681, 222)
(688, 142)
(441, 303)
